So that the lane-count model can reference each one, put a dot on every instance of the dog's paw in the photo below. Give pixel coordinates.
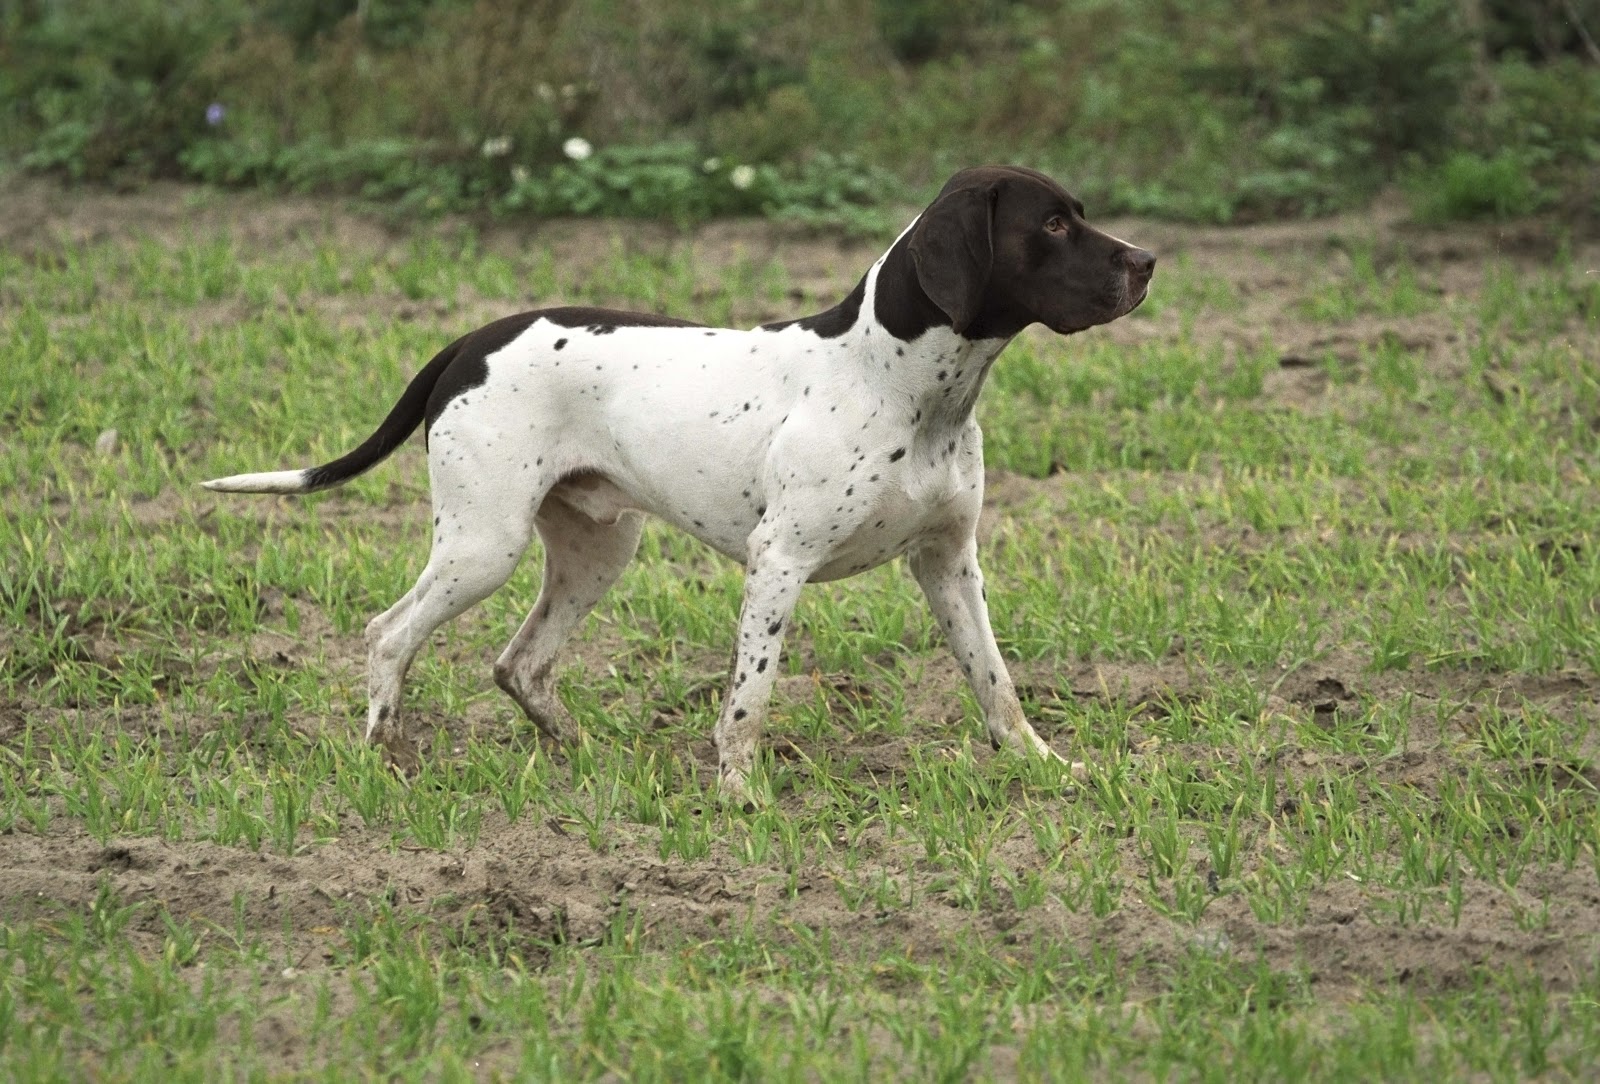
(560, 744)
(1023, 741)
(1076, 769)
(556, 725)
(400, 753)
(1027, 743)
(735, 792)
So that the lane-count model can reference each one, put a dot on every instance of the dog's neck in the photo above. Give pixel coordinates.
(903, 345)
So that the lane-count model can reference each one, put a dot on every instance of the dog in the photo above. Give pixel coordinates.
(807, 450)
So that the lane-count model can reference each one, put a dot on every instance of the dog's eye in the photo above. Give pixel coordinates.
(1056, 224)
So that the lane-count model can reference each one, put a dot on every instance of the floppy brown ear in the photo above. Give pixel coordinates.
(952, 252)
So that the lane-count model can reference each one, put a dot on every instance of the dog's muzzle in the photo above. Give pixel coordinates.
(1140, 268)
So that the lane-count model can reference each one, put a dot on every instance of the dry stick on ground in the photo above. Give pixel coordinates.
(1583, 32)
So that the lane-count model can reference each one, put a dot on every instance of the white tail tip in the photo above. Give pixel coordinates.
(275, 481)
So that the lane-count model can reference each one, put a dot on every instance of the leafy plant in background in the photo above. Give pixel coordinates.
(1206, 110)
(679, 181)
(1547, 117)
(666, 180)
(394, 171)
(387, 24)
(1469, 185)
(837, 190)
(918, 30)
(106, 90)
(1399, 71)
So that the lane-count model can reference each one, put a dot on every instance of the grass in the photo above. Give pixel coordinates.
(1325, 632)
(1483, 117)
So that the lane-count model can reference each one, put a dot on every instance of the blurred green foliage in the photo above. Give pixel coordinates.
(1199, 109)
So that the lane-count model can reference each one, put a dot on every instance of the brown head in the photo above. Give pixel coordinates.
(1003, 247)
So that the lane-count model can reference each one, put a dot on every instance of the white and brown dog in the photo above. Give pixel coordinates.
(806, 451)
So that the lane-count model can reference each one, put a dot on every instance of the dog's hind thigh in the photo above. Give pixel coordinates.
(582, 559)
(479, 534)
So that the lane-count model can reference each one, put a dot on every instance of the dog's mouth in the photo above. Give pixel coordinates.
(1118, 303)
(1144, 292)
(1134, 291)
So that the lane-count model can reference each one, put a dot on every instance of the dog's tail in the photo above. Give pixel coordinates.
(405, 416)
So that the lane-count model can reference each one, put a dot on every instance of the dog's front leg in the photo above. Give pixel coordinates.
(947, 570)
(771, 589)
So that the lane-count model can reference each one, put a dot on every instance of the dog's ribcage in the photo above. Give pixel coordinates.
(707, 429)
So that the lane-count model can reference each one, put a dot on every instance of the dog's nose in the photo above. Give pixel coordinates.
(1141, 263)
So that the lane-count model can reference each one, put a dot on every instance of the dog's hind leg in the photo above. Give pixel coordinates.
(482, 524)
(582, 559)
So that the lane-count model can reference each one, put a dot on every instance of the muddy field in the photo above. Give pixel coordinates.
(1347, 614)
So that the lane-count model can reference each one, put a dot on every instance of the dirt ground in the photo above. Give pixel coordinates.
(543, 879)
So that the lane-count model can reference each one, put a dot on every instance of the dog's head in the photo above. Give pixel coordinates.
(1004, 247)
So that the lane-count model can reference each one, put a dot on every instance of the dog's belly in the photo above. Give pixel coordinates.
(894, 528)
(725, 529)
